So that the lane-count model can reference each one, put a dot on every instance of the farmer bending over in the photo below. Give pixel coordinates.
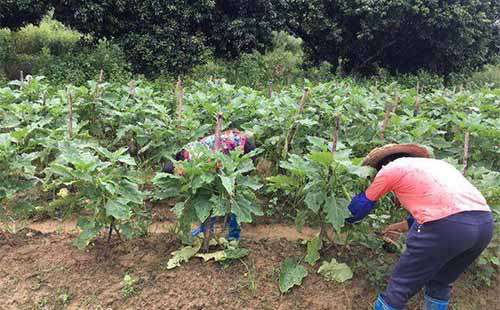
(449, 226)
(230, 140)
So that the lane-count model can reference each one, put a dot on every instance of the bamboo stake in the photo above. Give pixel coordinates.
(132, 85)
(70, 115)
(293, 128)
(218, 132)
(101, 76)
(466, 152)
(303, 100)
(179, 90)
(335, 138)
(417, 102)
(218, 147)
(387, 115)
(389, 108)
(336, 133)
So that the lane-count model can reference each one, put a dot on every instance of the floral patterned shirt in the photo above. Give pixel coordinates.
(230, 140)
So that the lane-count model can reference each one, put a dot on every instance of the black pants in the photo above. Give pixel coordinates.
(436, 254)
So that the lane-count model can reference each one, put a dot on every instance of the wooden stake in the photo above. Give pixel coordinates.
(303, 100)
(417, 102)
(70, 115)
(21, 76)
(336, 133)
(293, 129)
(389, 108)
(387, 115)
(101, 76)
(179, 90)
(218, 147)
(218, 132)
(132, 85)
(270, 89)
(466, 152)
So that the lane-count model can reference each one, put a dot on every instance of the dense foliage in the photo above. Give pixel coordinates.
(61, 54)
(439, 36)
(166, 36)
(359, 36)
(17, 13)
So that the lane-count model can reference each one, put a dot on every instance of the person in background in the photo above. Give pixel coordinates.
(450, 223)
(231, 139)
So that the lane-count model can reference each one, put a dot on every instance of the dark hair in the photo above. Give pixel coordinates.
(248, 147)
(169, 165)
(179, 155)
(384, 161)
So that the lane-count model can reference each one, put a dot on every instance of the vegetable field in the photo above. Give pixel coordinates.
(93, 155)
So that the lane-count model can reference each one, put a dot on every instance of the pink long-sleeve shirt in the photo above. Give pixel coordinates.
(429, 189)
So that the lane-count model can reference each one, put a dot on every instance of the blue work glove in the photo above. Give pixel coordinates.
(359, 207)
(234, 228)
(201, 229)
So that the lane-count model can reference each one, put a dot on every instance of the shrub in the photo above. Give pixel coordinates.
(61, 54)
(5, 47)
(281, 63)
(84, 63)
(490, 75)
(50, 34)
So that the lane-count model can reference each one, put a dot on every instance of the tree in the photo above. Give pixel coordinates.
(17, 13)
(439, 36)
(172, 36)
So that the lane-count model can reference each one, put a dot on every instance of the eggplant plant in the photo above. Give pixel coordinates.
(320, 185)
(104, 185)
(211, 184)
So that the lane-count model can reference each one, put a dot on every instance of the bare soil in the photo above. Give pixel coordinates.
(41, 269)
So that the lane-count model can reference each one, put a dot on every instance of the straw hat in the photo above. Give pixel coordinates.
(378, 154)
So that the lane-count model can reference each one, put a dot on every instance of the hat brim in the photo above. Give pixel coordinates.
(376, 155)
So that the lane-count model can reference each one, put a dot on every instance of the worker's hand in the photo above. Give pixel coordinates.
(400, 227)
(360, 207)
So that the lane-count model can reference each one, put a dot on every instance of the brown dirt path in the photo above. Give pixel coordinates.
(44, 271)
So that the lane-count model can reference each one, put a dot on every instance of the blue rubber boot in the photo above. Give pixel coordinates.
(435, 304)
(201, 229)
(234, 229)
(380, 304)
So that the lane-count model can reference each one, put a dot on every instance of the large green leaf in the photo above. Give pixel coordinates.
(315, 199)
(313, 247)
(244, 208)
(250, 182)
(203, 206)
(323, 158)
(182, 255)
(291, 274)
(336, 212)
(89, 231)
(119, 209)
(333, 271)
(228, 182)
(216, 256)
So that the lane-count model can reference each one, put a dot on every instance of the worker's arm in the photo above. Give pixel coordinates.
(362, 204)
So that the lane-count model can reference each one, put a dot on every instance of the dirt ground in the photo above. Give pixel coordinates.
(45, 271)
